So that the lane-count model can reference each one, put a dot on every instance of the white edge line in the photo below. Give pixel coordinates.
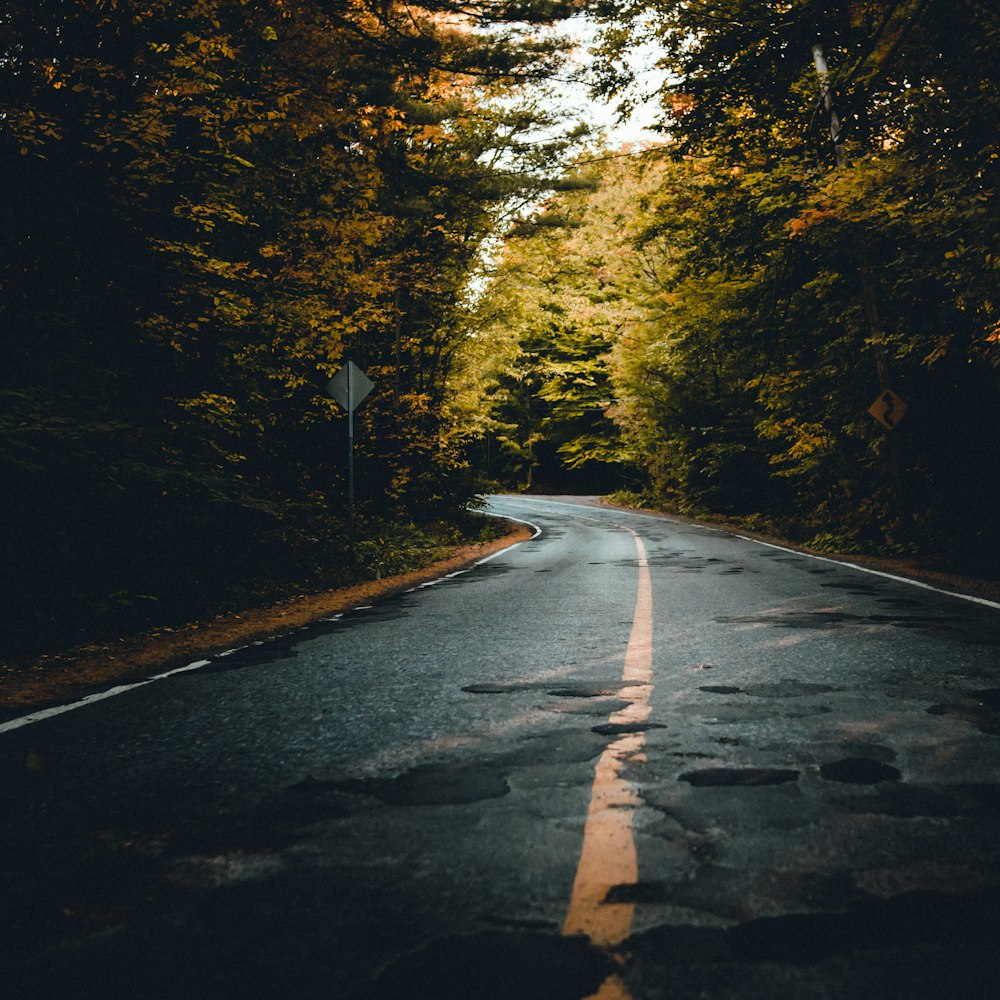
(781, 548)
(516, 520)
(48, 713)
(196, 665)
(874, 572)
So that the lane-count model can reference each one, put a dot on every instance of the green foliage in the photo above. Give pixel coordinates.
(545, 327)
(741, 298)
(208, 207)
(780, 291)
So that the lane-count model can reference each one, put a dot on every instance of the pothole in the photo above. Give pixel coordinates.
(581, 706)
(587, 690)
(621, 728)
(979, 712)
(789, 688)
(710, 777)
(433, 784)
(569, 689)
(496, 966)
(859, 771)
(907, 921)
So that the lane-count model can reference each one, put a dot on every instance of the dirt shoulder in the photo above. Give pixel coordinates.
(59, 678)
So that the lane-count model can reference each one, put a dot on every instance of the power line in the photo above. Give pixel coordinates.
(617, 156)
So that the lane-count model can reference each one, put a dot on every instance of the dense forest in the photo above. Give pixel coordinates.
(208, 207)
(211, 206)
(787, 311)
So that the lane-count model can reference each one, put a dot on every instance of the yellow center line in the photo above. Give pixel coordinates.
(608, 857)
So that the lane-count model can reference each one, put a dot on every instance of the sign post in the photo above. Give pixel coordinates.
(349, 387)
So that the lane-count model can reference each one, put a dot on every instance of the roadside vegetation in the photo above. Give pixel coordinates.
(211, 206)
(208, 207)
(705, 323)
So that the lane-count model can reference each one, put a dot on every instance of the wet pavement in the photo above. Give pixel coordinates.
(392, 804)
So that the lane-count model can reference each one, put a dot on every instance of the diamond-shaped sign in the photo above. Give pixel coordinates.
(888, 409)
(350, 386)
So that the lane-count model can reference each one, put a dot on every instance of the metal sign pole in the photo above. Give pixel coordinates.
(350, 469)
(349, 387)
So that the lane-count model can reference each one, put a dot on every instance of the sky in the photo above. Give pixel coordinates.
(602, 113)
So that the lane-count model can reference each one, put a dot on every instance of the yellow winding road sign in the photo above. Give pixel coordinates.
(888, 409)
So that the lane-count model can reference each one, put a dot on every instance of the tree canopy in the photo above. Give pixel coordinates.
(210, 206)
(819, 227)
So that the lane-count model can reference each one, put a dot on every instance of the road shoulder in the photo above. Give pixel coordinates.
(59, 678)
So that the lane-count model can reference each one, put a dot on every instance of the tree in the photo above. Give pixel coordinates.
(804, 287)
(211, 206)
(546, 324)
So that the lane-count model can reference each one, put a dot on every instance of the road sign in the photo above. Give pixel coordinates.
(888, 409)
(350, 386)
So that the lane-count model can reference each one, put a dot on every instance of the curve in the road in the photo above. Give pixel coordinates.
(113, 692)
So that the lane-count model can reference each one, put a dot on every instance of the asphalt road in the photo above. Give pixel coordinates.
(630, 758)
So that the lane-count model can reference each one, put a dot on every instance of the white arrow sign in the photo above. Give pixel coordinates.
(350, 386)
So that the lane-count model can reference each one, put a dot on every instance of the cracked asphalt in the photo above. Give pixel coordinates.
(392, 803)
